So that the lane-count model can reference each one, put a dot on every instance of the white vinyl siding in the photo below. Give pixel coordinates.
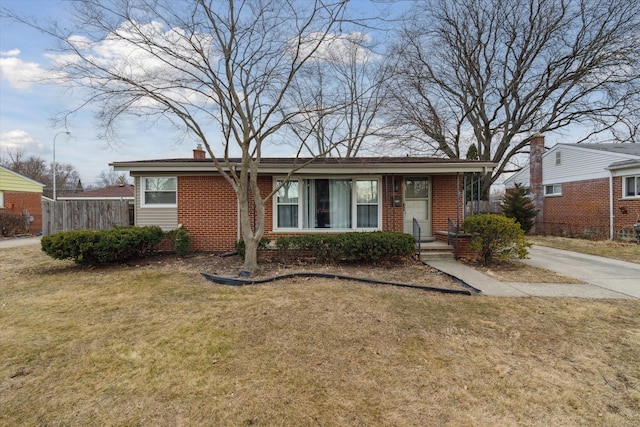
(164, 217)
(576, 164)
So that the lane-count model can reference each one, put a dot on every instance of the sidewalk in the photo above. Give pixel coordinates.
(487, 285)
(19, 241)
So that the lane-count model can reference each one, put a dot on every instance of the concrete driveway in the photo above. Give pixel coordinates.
(618, 276)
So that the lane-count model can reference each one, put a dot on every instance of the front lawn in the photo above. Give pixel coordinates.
(153, 343)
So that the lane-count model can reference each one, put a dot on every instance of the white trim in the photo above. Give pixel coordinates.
(553, 193)
(624, 187)
(145, 205)
(301, 198)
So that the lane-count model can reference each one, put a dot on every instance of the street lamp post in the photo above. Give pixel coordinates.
(54, 163)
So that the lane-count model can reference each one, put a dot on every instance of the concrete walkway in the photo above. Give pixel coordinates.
(603, 277)
(19, 241)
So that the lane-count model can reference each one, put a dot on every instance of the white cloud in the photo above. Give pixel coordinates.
(12, 52)
(340, 48)
(18, 140)
(20, 74)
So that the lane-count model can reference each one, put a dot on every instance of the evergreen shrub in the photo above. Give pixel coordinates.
(366, 247)
(93, 247)
(496, 237)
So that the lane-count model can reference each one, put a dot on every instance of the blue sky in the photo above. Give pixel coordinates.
(27, 109)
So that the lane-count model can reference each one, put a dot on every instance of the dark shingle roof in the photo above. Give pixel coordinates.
(113, 191)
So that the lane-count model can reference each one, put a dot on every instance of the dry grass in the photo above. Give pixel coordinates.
(624, 251)
(156, 344)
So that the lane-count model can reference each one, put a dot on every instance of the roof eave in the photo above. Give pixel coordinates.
(404, 168)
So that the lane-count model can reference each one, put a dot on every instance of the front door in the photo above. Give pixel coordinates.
(417, 204)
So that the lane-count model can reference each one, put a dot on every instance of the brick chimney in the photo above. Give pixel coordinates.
(199, 153)
(536, 188)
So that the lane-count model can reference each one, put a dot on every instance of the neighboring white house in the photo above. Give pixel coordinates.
(587, 189)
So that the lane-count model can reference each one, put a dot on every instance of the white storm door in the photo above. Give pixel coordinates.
(417, 204)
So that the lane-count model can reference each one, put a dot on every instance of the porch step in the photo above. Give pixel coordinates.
(435, 250)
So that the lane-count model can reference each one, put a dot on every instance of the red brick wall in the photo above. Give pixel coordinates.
(626, 212)
(21, 201)
(582, 209)
(443, 204)
(207, 208)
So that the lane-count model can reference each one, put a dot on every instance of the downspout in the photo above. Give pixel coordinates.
(611, 216)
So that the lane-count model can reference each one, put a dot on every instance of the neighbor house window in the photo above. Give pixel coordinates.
(631, 186)
(553, 190)
(159, 191)
(558, 158)
(319, 203)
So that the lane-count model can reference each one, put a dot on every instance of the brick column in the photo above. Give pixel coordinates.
(535, 180)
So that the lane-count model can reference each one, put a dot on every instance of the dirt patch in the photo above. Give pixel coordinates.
(411, 272)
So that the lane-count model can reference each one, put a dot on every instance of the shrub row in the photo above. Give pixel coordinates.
(351, 247)
(11, 224)
(92, 247)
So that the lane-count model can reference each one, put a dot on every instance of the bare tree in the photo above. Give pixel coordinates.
(209, 67)
(345, 86)
(495, 72)
(111, 178)
(34, 167)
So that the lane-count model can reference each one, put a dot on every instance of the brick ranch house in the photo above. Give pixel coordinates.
(583, 189)
(327, 196)
(21, 196)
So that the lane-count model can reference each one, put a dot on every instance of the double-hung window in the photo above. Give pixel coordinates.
(321, 203)
(287, 204)
(159, 191)
(553, 190)
(631, 187)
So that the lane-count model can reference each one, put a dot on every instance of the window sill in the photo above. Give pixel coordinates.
(322, 230)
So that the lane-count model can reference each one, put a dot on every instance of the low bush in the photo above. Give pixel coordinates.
(182, 242)
(351, 247)
(93, 247)
(262, 245)
(496, 237)
(11, 224)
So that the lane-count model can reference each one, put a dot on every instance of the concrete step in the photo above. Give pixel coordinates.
(435, 250)
(435, 256)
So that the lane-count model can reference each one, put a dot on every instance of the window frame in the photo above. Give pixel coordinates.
(636, 194)
(302, 196)
(553, 192)
(143, 192)
(277, 203)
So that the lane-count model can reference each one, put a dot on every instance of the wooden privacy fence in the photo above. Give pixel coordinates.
(65, 215)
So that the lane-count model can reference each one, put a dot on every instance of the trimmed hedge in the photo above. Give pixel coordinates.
(363, 247)
(93, 247)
